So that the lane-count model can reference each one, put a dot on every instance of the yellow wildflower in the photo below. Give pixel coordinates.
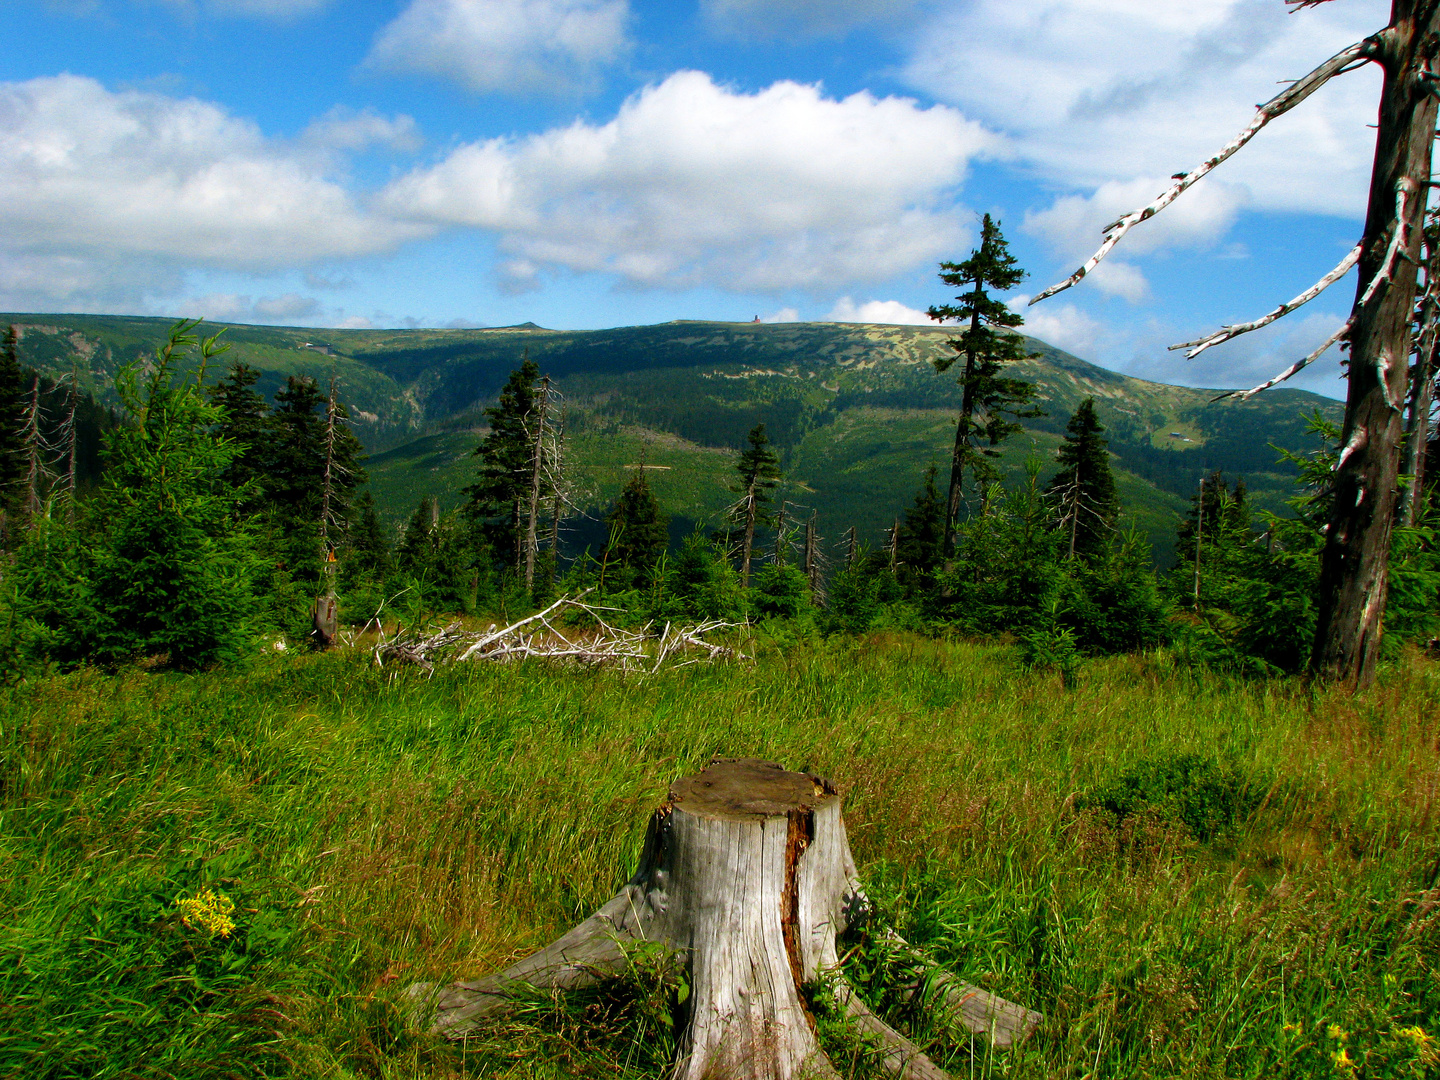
(1335, 1031)
(1416, 1035)
(1291, 1029)
(209, 912)
(1342, 1059)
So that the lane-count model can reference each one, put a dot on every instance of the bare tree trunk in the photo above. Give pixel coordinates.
(749, 536)
(746, 873)
(534, 514)
(812, 567)
(962, 439)
(325, 615)
(1417, 421)
(780, 536)
(894, 545)
(1354, 569)
(557, 480)
(35, 470)
(850, 551)
(1199, 535)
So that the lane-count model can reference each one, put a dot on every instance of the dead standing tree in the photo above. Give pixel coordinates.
(746, 874)
(1354, 578)
(326, 616)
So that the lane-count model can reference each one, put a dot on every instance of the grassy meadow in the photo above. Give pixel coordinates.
(1190, 875)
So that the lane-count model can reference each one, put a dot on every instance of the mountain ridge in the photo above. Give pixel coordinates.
(856, 410)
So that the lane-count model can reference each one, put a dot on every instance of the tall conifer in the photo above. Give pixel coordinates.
(990, 404)
(1085, 487)
(501, 490)
(640, 528)
(759, 471)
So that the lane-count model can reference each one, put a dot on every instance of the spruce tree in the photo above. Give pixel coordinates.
(500, 493)
(990, 405)
(369, 548)
(922, 535)
(1084, 489)
(294, 463)
(245, 424)
(640, 530)
(759, 470)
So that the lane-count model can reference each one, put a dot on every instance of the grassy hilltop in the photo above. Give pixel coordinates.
(856, 410)
(1190, 875)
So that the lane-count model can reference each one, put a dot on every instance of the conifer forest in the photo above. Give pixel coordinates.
(730, 701)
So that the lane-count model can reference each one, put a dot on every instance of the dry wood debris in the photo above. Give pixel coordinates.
(542, 636)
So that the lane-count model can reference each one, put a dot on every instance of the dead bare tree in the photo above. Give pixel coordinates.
(326, 615)
(1355, 562)
(536, 472)
(38, 475)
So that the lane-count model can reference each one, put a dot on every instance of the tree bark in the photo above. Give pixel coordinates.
(749, 535)
(747, 874)
(1354, 578)
(962, 438)
(534, 513)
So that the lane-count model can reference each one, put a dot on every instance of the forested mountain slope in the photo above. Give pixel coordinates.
(857, 411)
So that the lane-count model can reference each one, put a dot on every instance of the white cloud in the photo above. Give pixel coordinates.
(1064, 325)
(237, 307)
(1094, 91)
(785, 314)
(877, 311)
(345, 129)
(1072, 226)
(512, 46)
(103, 194)
(820, 18)
(354, 322)
(695, 184)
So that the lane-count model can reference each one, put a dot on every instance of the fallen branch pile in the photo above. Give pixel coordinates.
(539, 637)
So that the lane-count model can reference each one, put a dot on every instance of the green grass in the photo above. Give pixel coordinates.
(377, 829)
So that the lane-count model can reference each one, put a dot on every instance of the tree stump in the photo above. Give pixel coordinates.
(325, 618)
(746, 873)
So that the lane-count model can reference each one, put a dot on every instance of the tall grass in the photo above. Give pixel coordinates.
(374, 829)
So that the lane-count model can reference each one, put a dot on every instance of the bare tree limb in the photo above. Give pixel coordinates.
(1276, 106)
(1246, 395)
(1226, 333)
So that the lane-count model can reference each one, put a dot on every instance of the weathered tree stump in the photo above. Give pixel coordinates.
(747, 874)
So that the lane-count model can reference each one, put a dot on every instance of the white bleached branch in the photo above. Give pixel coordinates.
(1399, 240)
(1225, 333)
(1245, 395)
(1276, 106)
(537, 637)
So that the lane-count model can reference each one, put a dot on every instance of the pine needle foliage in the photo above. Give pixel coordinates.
(991, 404)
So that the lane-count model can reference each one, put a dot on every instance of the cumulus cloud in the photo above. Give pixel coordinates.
(346, 129)
(785, 314)
(804, 18)
(99, 187)
(1064, 325)
(877, 311)
(512, 46)
(237, 307)
(695, 184)
(1072, 226)
(1095, 91)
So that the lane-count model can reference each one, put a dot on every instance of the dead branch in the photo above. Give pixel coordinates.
(1301, 365)
(537, 637)
(1282, 103)
(1225, 333)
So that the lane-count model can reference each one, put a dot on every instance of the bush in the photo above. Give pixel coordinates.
(1196, 792)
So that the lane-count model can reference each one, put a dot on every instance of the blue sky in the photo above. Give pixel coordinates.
(592, 163)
